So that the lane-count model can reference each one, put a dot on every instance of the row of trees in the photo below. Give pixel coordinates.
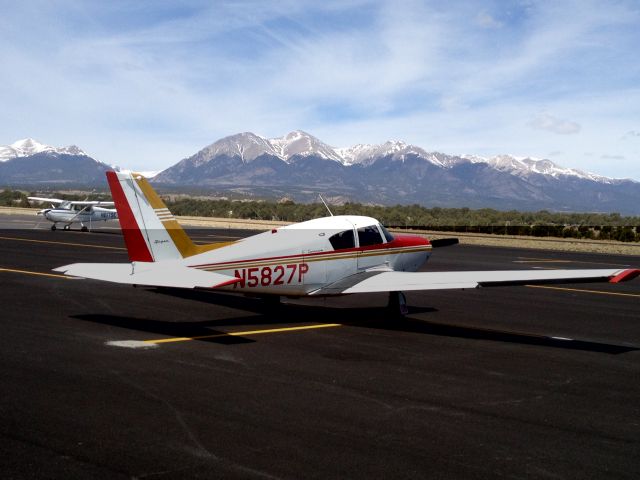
(485, 220)
(609, 226)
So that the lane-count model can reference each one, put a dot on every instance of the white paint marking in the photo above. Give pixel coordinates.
(130, 344)
(563, 338)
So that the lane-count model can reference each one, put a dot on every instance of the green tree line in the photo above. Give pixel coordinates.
(609, 226)
(485, 220)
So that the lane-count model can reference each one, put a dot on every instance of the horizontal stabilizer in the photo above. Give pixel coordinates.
(407, 281)
(164, 274)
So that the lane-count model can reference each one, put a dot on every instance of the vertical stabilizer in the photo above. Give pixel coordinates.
(150, 231)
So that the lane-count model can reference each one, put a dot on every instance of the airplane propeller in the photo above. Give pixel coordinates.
(444, 242)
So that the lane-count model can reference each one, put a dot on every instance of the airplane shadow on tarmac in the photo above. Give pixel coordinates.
(376, 318)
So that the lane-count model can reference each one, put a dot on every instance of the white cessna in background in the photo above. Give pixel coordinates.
(334, 255)
(68, 212)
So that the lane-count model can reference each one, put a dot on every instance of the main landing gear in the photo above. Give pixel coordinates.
(66, 227)
(397, 304)
(84, 228)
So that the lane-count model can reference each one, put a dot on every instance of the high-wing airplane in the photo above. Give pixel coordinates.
(68, 212)
(334, 255)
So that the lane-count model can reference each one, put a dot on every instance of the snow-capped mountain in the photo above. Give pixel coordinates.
(248, 146)
(28, 146)
(29, 162)
(398, 150)
(299, 165)
(523, 166)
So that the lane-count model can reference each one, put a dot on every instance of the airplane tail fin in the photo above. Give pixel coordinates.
(151, 232)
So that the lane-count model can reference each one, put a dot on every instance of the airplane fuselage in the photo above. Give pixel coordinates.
(326, 251)
(68, 216)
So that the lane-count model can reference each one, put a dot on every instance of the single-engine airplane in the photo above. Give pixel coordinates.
(68, 212)
(333, 255)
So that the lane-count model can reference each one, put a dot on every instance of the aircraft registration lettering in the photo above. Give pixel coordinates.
(265, 276)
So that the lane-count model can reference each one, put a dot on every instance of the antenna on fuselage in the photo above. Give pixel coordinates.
(326, 206)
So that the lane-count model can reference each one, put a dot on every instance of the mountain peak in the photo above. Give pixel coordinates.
(299, 142)
(28, 146)
(398, 150)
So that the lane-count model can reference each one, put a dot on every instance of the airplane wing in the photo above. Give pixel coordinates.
(49, 200)
(73, 202)
(94, 203)
(388, 281)
(148, 273)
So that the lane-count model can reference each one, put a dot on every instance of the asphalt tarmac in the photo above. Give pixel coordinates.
(513, 382)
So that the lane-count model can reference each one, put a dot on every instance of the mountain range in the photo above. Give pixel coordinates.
(299, 166)
(28, 162)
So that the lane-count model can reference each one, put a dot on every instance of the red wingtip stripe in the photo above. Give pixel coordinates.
(625, 276)
(133, 239)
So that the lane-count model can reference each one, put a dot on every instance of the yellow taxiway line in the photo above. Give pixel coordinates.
(554, 260)
(28, 272)
(62, 243)
(581, 290)
(242, 334)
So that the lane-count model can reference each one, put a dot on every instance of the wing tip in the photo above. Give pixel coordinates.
(625, 275)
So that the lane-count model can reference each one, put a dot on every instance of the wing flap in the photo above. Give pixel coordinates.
(408, 281)
(148, 273)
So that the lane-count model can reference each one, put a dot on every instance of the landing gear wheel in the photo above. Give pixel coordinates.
(398, 304)
(84, 229)
(67, 227)
(54, 228)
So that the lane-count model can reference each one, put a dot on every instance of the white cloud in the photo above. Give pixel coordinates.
(545, 121)
(631, 134)
(485, 20)
(147, 90)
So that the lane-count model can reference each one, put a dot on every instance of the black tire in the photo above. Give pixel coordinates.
(67, 227)
(84, 229)
(397, 304)
(53, 227)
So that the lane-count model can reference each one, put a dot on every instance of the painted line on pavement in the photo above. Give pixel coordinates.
(245, 333)
(62, 243)
(584, 290)
(28, 272)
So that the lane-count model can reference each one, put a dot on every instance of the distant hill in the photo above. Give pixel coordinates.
(28, 162)
(299, 166)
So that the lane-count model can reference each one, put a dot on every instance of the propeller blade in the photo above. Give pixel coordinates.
(444, 242)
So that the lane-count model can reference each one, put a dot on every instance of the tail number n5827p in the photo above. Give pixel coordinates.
(266, 276)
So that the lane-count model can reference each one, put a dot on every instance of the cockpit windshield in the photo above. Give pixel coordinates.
(386, 233)
(369, 236)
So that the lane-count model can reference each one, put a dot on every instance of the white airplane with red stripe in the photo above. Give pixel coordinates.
(334, 255)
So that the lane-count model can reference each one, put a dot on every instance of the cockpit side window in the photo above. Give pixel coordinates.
(386, 233)
(369, 236)
(342, 240)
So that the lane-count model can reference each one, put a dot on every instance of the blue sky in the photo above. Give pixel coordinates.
(145, 84)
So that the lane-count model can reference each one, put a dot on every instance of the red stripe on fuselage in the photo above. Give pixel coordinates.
(133, 239)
